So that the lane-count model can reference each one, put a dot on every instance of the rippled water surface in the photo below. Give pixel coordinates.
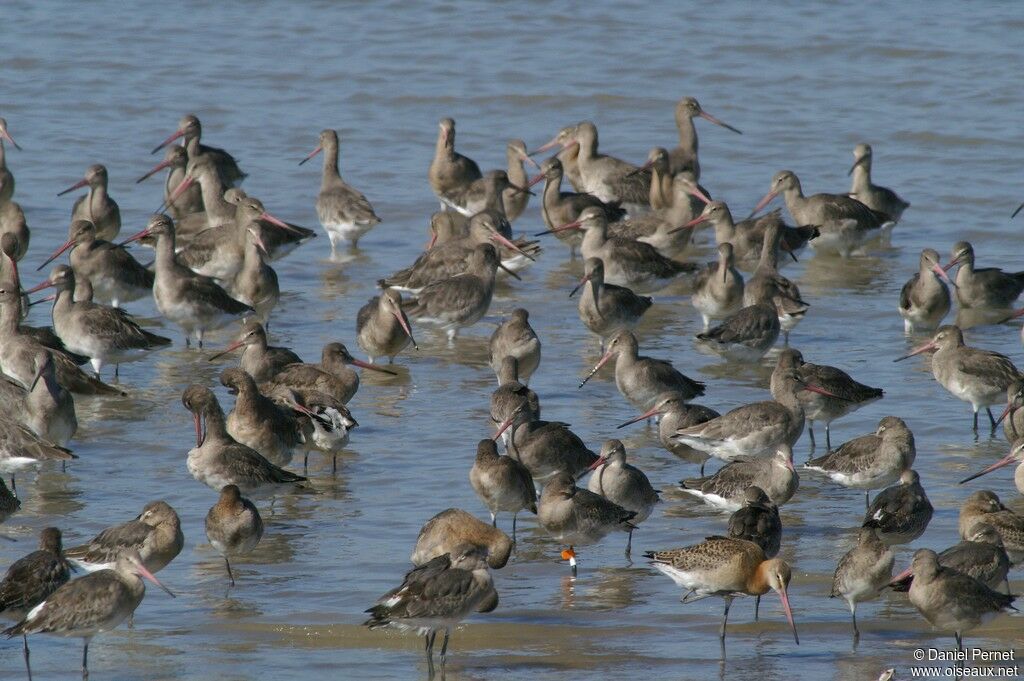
(935, 88)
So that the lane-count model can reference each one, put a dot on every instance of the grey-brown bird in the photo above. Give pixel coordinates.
(233, 526)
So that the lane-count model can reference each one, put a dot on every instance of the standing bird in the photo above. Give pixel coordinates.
(155, 535)
(755, 429)
(718, 288)
(260, 360)
(870, 461)
(257, 422)
(579, 517)
(727, 488)
(343, 210)
(980, 555)
(901, 513)
(438, 595)
(256, 282)
(627, 262)
(924, 299)
(96, 206)
(233, 526)
(986, 287)
(675, 414)
(684, 155)
(32, 579)
(984, 507)
(103, 334)
(623, 484)
(459, 301)
(747, 335)
(514, 337)
(6, 176)
(382, 327)
(949, 599)
(332, 376)
(757, 521)
(560, 208)
(12, 217)
(881, 199)
(195, 303)
(767, 284)
(849, 395)
(642, 379)
(188, 203)
(513, 198)
(980, 377)
(45, 407)
(450, 172)
(546, 448)
(606, 308)
(218, 459)
(191, 132)
(606, 177)
(502, 483)
(88, 606)
(844, 223)
(720, 566)
(116, 276)
(1012, 417)
(863, 572)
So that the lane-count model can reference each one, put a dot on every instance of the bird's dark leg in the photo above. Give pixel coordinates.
(991, 419)
(810, 432)
(867, 500)
(959, 640)
(227, 563)
(853, 614)
(757, 606)
(828, 437)
(430, 653)
(444, 645)
(85, 660)
(975, 423)
(514, 516)
(725, 619)
(629, 543)
(494, 520)
(28, 667)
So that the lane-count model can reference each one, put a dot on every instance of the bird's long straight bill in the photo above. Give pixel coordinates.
(653, 411)
(597, 367)
(917, 351)
(1005, 461)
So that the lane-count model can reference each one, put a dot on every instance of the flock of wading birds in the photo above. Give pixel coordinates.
(213, 245)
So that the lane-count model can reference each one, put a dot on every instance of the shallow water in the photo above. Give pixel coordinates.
(936, 90)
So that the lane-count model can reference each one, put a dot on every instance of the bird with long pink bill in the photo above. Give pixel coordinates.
(260, 359)
(627, 262)
(642, 379)
(756, 429)
(675, 414)
(979, 377)
(96, 603)
(344, 212)
(116, 276)
(451, 257)
(949, 599)
(1012, 417)
(604, 308)
(383, 328)
(103, 334)
(96, 206)
(844, 224)
(727, 488)
(984, 506)
(195, 303)
(727, 568)
(747, 236)
(1016, 455)
(561, 208)
(332, 376)
(190, 131)
(665, 228)
(684, 156)
(502, 483)
(191, 200)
